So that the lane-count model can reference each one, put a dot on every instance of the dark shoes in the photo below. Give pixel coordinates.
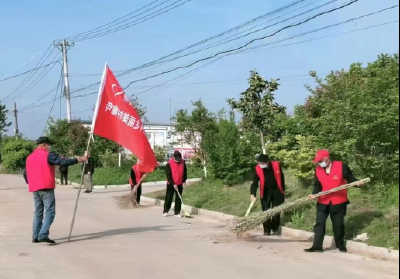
(88, 192)
(343, 250)
(314, 250)
(46, 240)
(270, 233)
(35, 241)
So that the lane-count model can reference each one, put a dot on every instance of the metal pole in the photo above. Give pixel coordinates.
(79, 194)
(16, 130)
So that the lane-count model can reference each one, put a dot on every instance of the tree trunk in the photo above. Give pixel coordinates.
(264, 150)
(204, 162)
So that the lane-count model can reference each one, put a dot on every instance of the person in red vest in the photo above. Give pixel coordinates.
(269, 176)
(136, 180)
(40, 175)
(176, 180)
(330, 175)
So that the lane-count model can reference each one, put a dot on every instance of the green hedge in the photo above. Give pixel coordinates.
(120, 176)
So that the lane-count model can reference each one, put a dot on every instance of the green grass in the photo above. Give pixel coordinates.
(120, 176)
(5, 171)
(373, 210)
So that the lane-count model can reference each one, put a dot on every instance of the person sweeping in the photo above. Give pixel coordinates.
(176, 171)
(136, 181)
(271, 180)
(331, 175)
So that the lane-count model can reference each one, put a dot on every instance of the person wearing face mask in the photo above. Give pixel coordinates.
(330, 175)
(176, 171)
(40, 175)
(269, 176)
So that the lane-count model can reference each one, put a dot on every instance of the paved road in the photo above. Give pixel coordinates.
(111, 242)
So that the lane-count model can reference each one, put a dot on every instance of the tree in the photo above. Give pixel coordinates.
(228, 154)
(141, 110)
(258, 107)
(160, 153)
(355, 114)
(3, 119)
(14, 153)
(69, 139)
(192, 127)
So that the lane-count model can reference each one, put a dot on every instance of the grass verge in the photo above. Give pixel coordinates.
(120, 176)
(373, 210)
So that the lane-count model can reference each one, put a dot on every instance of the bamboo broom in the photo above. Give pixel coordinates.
(243, 225)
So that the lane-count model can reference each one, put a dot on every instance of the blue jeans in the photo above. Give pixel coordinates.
(45, 202)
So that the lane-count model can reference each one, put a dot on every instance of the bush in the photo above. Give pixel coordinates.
(299, 159)
(226, 153)
(109, 159)
(14, 154)
(160, 153)
(120, 176)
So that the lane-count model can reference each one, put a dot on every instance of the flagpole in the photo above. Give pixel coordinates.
(88, 146)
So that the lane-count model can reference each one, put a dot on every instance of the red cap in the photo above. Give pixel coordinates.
(322, 154)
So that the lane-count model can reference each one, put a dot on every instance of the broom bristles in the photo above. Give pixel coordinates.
(245, 224)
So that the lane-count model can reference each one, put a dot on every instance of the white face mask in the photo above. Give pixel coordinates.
(263, 166)
(323, 165)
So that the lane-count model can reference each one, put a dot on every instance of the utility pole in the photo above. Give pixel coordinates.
(16, 130)
(64, 46)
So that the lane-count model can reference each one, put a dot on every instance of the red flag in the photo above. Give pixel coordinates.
(117, 120)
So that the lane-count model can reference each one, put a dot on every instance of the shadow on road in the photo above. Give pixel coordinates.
(115, 232)
(264, 239)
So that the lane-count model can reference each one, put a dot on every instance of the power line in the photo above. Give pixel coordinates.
(206, 40)
(211, 38)
(246, 44)
(248, 34)
(219, 35)
(262, 46)
(27, 72)
(36, 81)
(107, 24)
(54, 101)
(37, 101)
(296, 43)
(325, 28)
(138, 21)
(27, 87)
(30, 74)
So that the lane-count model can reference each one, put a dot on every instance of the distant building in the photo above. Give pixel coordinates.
(160, 134)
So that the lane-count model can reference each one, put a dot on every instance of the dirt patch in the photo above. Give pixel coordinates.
(125, 202)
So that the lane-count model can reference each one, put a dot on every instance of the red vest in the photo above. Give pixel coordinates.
(41, 175)
(278, 176)
(138, 175)
(331, 181)
(178, 170)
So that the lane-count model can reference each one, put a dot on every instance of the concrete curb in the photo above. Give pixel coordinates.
(126, 186)
(329, 243)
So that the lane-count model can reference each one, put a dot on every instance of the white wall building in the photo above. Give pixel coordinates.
(160, 134)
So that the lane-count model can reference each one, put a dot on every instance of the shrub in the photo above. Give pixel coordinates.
(14, 154)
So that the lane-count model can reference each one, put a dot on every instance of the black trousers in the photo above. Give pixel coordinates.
(274, 223)
(64, 177)
(337, 215)
(169, 197)
(138, 193)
